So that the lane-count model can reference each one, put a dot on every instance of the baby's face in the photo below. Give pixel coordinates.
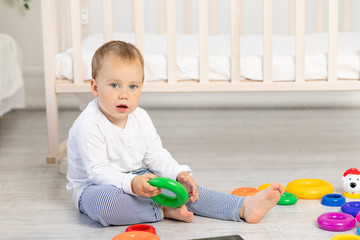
(118, 88)
(351, 183)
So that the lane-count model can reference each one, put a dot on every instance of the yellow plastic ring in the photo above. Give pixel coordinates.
(346, 237)
(352, 195)
(309, 188)
(266, 185)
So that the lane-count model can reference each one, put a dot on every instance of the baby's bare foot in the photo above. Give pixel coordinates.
(181, 213)
(255, 207)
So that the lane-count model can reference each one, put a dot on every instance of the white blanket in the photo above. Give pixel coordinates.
(219, 56)
(11, 80)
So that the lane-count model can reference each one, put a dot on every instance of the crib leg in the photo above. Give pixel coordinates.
(52, 118)
(50, 160)
(48, 11)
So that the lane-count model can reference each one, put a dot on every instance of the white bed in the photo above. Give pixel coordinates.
(220, 53)
(11, 80)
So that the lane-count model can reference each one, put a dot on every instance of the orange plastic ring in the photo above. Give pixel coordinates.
(136, 235)
(244, 191)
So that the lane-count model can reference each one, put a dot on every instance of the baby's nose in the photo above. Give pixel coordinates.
(353, 185)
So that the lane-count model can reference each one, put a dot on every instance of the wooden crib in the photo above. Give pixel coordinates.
(60, 33)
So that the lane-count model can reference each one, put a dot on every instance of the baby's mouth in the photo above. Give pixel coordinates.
(122, 107)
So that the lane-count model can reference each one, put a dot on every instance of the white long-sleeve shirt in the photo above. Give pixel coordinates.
(100, 152)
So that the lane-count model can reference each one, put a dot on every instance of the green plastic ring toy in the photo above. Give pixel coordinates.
(287, 199)
(170, 201)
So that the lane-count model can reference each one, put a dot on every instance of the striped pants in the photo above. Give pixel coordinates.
(109, 205)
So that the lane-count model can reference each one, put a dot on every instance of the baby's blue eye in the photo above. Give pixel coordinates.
(133, 86)
(114, 85)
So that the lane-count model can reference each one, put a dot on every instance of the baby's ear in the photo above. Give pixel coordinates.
(94, 87)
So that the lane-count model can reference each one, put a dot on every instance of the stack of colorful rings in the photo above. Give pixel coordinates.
(352, 208)
(287, 199)
(333, 200)
(336, 221)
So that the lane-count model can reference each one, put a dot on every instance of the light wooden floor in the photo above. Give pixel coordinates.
(225, 148)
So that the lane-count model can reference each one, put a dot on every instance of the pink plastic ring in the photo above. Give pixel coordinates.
(336, 221)
(358, 217)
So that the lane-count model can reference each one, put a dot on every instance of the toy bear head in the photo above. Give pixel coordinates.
(351, 181)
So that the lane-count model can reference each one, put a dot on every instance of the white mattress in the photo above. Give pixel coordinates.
(11, 79)
(219, 56)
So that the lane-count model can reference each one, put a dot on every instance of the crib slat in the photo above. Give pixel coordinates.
(187, 17)
(213, 17)
(161, 16)
(139, 25)
(68, 24)
(333, 40)
(300, 41)
(203, 41)
(235, 9)
(267, 40)
(320, 16)
(242, 17)
(76, 41)
(292, 15)
(107, 20)
(171, 40)
(62, 26)
(346, 16)
(48, 11)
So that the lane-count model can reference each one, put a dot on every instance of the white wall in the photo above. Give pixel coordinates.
(25, 27)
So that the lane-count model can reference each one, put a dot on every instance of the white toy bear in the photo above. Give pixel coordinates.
(351, 183)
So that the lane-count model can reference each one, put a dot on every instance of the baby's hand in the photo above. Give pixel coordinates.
(141, 187)
(189, 183)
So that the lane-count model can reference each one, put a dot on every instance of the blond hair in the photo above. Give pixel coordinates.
(125, 51)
